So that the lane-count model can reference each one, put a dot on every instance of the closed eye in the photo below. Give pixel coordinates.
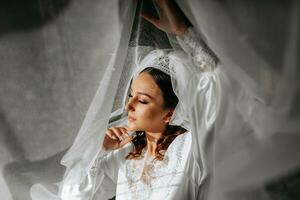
(143, 102)
(140, 101)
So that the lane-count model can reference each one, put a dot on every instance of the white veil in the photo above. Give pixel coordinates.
(88, 143)
(257, 128)
(255, 136)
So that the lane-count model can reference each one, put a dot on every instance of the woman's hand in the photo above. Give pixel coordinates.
(171, 20)
(116, 137)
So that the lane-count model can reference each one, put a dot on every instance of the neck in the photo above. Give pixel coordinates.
(152, 139)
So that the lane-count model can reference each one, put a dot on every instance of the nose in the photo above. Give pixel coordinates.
(130, 105)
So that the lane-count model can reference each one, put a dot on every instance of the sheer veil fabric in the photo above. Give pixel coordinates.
(257, 128)
(253, 135)
(81, 154)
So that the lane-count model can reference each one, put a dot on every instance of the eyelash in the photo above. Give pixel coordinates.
(142, 102)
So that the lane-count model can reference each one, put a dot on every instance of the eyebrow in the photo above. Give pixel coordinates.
(142, 93)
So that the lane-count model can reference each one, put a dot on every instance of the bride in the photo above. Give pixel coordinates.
(157, 161)
(161, 151)
(191, 130)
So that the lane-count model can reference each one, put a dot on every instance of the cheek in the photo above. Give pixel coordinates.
(148, 118)
(149, 114)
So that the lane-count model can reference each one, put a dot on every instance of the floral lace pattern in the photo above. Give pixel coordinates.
(143, 177)
(201, 55)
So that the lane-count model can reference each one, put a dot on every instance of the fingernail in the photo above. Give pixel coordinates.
(125, 136)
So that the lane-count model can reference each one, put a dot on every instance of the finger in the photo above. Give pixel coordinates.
(123, 130)
(124, 133)
(117, 132)
(110, 134)
(126, 136)
(127, 139)
(150, 18)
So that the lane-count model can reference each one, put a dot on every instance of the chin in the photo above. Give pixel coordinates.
(131, 126)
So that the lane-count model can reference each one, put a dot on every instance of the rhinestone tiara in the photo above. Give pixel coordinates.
(162, 63)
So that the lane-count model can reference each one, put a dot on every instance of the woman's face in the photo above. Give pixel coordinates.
(145, 106)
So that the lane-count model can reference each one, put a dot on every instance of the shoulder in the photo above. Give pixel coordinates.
(178, 152)
(184, 136)
(181, 142)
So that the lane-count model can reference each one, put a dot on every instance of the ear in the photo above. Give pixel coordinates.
(168, 116)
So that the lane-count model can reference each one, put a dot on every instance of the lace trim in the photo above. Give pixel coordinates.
(201, 55)
(96, 165)
(147, 174)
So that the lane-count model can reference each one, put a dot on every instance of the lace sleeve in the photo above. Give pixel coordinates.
(202, 90)
(100, 181)
(105, 171)
(197, 50)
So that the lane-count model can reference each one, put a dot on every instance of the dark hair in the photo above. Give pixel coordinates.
(163, 81)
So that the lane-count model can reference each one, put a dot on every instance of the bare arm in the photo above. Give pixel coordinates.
(171, 18)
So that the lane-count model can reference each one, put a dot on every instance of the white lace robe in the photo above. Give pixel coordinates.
(184, 171)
